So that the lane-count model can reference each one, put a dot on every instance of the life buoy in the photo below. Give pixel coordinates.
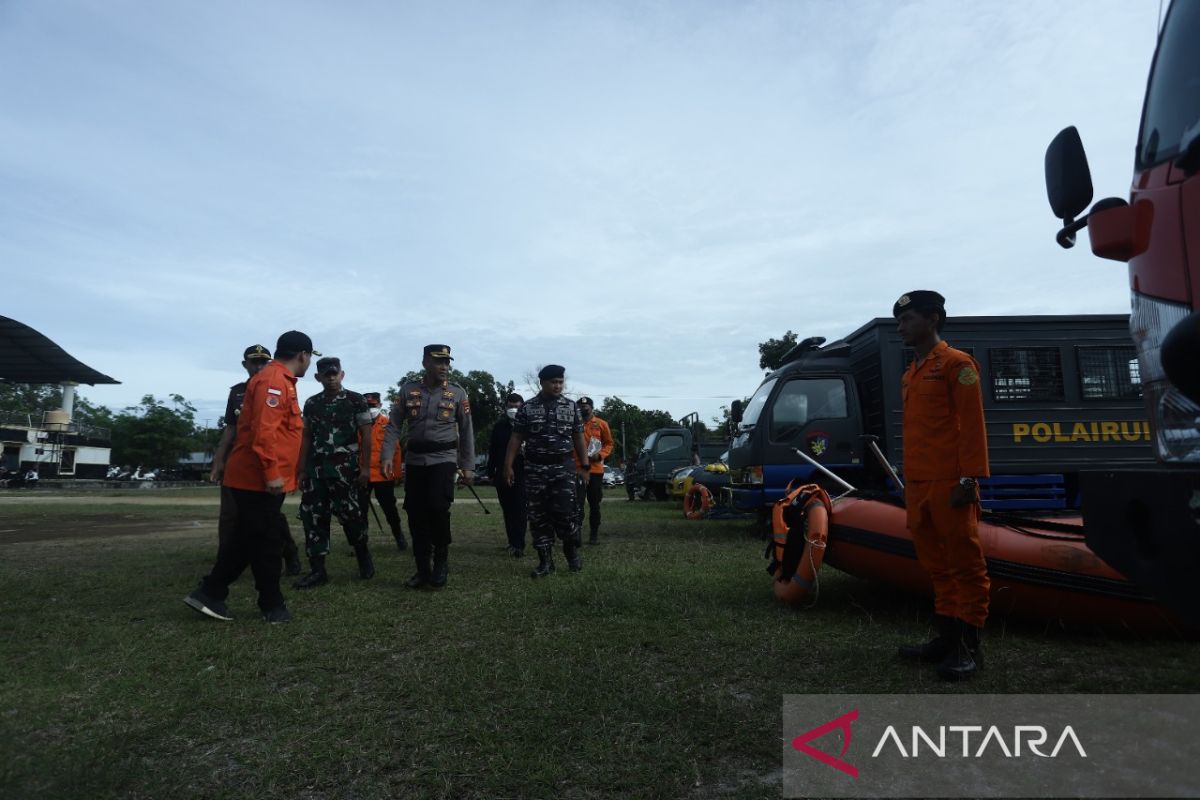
(697, 501)
(800, 533)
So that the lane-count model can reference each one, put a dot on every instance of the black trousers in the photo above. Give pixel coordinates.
(385, 494)
(254, 542)
(512, 502)
(227, 521)
(428, 493)
(593, 492)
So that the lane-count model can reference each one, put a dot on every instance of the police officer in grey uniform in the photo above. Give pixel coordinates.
(441, 441)
(551, 428)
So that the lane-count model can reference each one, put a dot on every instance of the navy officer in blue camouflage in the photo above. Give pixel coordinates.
(441, 442)
(551, 428)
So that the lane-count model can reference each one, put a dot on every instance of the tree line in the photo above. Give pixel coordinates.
(158, 432)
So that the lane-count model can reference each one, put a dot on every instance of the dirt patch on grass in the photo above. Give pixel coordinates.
(93, 527)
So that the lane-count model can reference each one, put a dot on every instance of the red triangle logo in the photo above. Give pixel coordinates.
(842, 723)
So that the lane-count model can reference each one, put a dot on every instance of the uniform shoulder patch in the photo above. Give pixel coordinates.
(967, 376)
(272, 401)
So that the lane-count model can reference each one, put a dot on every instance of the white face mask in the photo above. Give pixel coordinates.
(375, 411)
(512, 413)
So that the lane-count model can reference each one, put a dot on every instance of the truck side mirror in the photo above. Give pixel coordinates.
(1068, 179)
(735, 412)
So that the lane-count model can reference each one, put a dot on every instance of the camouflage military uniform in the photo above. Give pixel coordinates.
(548, 426)
(441, 441)
(331, 469)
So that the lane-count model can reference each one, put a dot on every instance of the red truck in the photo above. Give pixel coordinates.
(1146, 522)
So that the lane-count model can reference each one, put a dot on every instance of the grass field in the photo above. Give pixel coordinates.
(658, 671)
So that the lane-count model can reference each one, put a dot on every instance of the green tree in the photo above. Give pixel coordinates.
(486, 395)
(153, 433)
(638, 424)
(772, 351)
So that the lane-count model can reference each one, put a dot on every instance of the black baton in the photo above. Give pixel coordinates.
(472, 488)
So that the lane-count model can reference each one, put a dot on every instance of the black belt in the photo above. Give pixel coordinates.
(431, 447)
(547, 458)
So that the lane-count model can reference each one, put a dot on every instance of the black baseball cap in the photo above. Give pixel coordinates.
(585, 399)
(256, 352)
(295, 342)
(438, 351)
(329, 364)
(372, 398)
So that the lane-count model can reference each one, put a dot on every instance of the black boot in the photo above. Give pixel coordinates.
(545, 562)
(317, 576)
(937, 648)
(966, 655)
(574, 558)
(291, 560)
(594, 538)
(366, 564)
(441, 566)
(398, 535)
(421, 578)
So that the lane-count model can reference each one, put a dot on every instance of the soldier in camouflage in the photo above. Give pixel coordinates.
(336, 470)
(441, 443)
(551, 429)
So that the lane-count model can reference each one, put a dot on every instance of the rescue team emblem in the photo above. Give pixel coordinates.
(272, 401)
(967, 376)
(818, 442)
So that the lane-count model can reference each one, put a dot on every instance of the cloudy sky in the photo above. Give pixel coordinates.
(642, 191)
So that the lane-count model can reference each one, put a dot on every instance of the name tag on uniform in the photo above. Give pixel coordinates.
(274, 391)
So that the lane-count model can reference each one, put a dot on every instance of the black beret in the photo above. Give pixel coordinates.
(329, 364)
(920, 300)
(551, 371)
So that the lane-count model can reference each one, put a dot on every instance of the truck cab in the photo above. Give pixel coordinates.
(667, 449)
(811, 404)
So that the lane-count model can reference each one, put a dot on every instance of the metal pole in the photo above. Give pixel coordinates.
(887, 466)
(823, 469)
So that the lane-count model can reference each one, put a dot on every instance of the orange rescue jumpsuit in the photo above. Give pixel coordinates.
(269, 431)
(944, 440)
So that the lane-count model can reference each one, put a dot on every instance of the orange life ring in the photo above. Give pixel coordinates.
(697, 501)
(800, 518)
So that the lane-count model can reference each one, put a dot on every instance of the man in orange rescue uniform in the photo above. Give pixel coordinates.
(945, 455)
(598, 439)
(383, 488)
(260, 471)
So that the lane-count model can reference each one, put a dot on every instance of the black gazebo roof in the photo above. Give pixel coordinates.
(27, 356)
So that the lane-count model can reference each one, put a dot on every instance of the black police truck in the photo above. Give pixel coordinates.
(1061, 394)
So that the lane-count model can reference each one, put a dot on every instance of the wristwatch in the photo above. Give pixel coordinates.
(969, 483)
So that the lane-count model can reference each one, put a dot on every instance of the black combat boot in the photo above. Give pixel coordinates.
(398, 535)
(366, 564)
(937, 648)
(316, 577)
(441, 566)
(574, 557)
(595, 537)
(545, 562)
(965, 657)
(421, 555)
(291, 559)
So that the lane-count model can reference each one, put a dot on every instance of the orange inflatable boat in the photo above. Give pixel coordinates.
(1039, 567)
